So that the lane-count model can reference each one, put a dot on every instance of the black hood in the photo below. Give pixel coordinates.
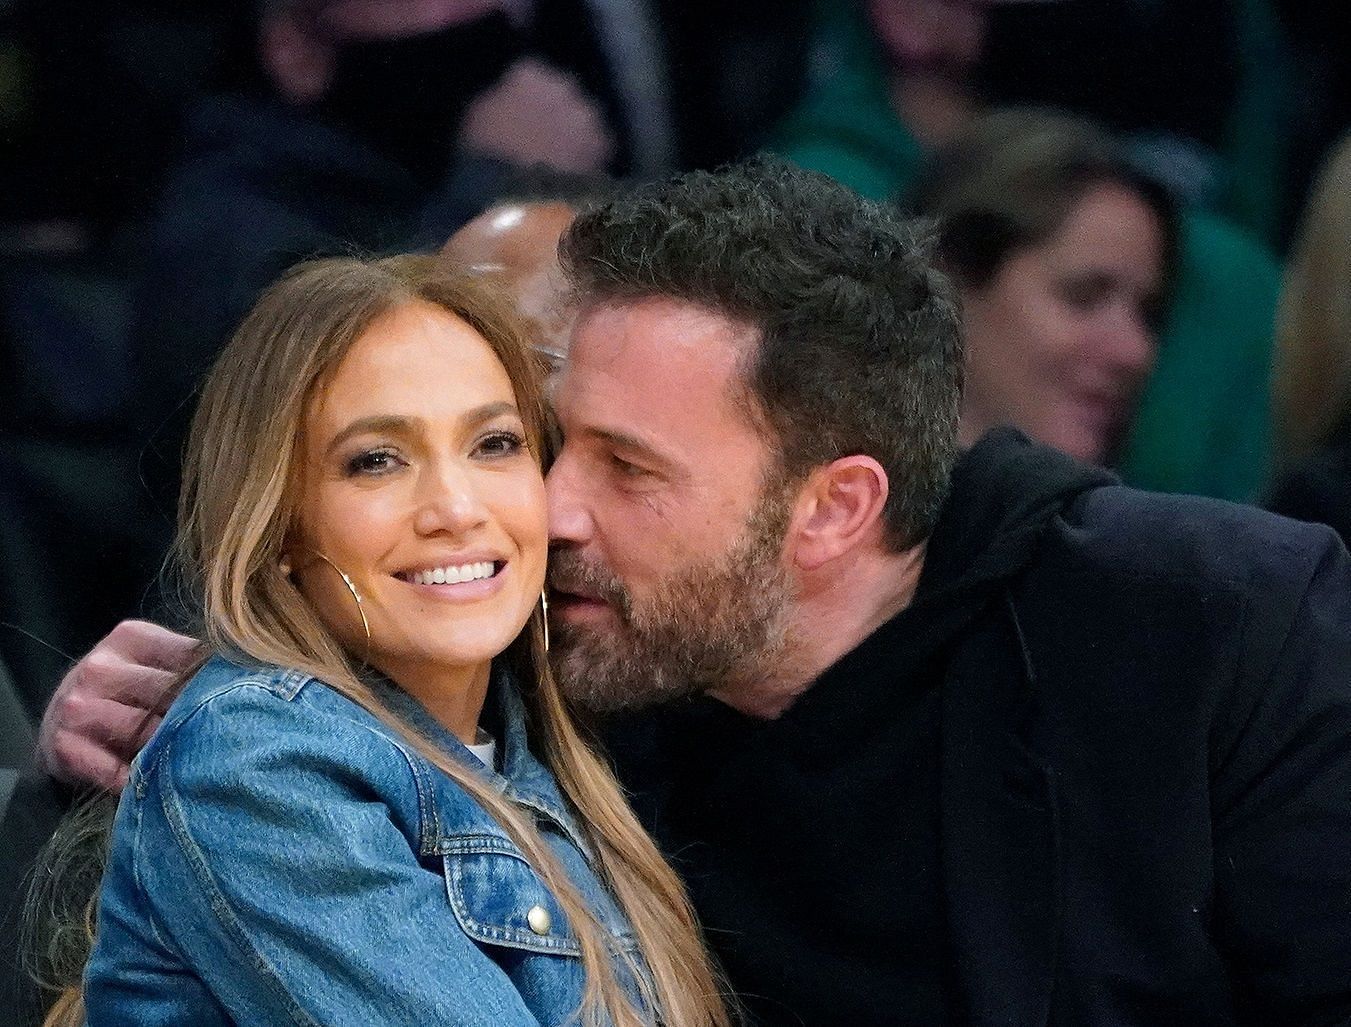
(1005, 491)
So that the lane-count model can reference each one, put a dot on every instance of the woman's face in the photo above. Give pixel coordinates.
(417, 483)
(1059, 343)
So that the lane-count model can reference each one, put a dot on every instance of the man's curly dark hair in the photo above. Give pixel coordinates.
(859, 341)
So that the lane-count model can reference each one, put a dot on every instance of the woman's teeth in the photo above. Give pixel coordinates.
(453, 575)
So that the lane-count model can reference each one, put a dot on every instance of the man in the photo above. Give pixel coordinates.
(903, 81)
(1002, 742)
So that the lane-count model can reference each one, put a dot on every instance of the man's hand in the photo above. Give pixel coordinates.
(110, 703)
(536, 114)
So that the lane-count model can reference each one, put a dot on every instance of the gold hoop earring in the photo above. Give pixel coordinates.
(544, 617)
(361, 606)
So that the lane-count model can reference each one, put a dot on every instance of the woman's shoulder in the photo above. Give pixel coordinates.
(231, 712)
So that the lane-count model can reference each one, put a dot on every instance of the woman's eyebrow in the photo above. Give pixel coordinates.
(391, 423)
(396, 424)
(480, 415)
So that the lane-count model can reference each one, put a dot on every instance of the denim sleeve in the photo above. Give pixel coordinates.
(278, 848)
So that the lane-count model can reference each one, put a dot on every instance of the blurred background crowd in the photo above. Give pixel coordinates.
(1146, 204)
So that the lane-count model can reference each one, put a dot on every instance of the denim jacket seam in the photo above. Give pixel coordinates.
(288, 684)
(220, 906)
(182, 718)
(137, 852)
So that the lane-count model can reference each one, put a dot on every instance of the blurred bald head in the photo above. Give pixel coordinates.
(517, 243)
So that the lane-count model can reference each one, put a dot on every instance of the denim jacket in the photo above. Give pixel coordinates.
(281, 856)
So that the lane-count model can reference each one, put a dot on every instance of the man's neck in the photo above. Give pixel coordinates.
(831, 619)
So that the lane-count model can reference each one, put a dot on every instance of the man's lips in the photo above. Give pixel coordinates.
(563, 597)
(575, 605)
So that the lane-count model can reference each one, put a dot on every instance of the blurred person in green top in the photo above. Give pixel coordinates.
(899, 79)
(1064, 255)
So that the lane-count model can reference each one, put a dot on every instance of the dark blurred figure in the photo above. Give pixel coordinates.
(359, 125)
(1163, 73)
(899, 77)
(1320, 31)
(1313, 366)
(379, 125)
(89, 99)
(89, 96)
(1062, 251)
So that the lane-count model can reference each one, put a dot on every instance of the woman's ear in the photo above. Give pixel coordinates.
(284, 564)
(839, 508)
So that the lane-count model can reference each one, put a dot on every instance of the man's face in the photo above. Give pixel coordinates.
(666, 512)
(939, 39)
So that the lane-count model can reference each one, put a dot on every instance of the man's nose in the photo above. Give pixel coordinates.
(569, 517)
(448, 501)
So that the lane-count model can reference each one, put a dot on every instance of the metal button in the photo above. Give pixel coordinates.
(539, 919)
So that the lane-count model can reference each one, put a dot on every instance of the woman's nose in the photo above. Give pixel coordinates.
(447, 501)
(1130, 343)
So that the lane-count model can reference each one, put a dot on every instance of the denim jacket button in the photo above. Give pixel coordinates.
(539, 920)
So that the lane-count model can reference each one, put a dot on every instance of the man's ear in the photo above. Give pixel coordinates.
(299, 63)
(838, 508)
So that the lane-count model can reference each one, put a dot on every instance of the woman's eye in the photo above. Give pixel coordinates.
(374, 461)
(500, 443)
(1086, 293)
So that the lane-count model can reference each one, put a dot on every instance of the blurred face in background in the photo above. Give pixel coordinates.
(1062, 337)
(931, 48)
(396, 74)
(935, 38)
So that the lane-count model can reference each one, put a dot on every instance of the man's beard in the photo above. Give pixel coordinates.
(707, 627)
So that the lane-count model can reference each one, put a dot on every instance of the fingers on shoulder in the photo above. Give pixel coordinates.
(149, 644)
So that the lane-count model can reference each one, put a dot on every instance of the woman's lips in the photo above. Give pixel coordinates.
(477, 587)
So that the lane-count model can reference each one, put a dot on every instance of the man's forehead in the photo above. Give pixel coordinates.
(676, 335)
(648, 361)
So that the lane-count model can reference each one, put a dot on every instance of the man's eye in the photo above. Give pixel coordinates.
(374, 462)
(500, 443)
(625, 469)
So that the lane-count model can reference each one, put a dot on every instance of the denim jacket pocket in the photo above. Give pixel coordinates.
(497, 897)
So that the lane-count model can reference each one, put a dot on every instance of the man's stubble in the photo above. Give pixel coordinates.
(706, 627)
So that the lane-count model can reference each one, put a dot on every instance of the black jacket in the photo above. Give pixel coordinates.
(1144, 781)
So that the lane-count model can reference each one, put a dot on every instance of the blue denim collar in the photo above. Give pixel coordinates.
(521, 776)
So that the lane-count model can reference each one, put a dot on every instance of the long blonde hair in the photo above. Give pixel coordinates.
(1313, 329)
(236, 512)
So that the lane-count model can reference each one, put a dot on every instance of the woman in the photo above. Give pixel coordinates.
(1063, 254)
(341, 819)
